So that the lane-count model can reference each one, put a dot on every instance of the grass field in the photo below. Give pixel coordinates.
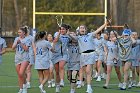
(8, 81)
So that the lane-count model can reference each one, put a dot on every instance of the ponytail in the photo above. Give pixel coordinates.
(36, 37)
(39, 35)
(25, 29)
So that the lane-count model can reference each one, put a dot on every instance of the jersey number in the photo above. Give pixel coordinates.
(74, 50)
(19, 48)
(38, 51)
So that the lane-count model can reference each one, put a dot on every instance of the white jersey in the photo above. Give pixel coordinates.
(21, 55)
(86, 42)
(61, 49)
(112, 51)
(136, 50)
(62, 45)
(74, 57)
(99, 45)
(2, 45)
(42, 54)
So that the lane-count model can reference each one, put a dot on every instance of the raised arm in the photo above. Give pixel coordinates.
(101, 28)
(56, 39)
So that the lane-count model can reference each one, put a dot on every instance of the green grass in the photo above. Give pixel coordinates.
(9, 84)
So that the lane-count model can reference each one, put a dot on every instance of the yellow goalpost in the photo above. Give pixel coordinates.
(66, 13)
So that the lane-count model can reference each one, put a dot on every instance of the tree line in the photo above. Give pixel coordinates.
(16, 13)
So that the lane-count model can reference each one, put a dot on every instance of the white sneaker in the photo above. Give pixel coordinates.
(120, 85)
(89, 91)
(44, 91)
(138, 85)
(41, 89)
(57, 89)
(20, 90)
(24, 88)
(80, 84)
(49, 85)
(98, 79)
(53, 84)
(28, 85)
(72, 91)
(77, 82)
(61, 83)
(123, 87)
(130, 85)
(134, 84)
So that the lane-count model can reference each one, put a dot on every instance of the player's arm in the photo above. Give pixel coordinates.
(3, 48)
(53, 48)
(15, 44)
(101, 27)
(3, 51)
(24, 46)
(34, 48)
(56, 39)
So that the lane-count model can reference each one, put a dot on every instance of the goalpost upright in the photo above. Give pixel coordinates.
(67, 13)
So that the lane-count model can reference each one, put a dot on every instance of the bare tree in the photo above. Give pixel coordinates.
(17, 13)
